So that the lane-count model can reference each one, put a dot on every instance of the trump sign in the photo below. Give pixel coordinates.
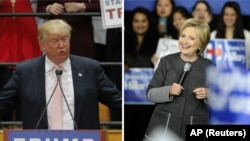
(54, 135)
(111, 13)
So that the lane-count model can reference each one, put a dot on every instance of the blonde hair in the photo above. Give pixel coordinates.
(202, 29)
(54, 26)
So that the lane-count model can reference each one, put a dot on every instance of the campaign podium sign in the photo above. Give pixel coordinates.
(55, 135)
(136, 81)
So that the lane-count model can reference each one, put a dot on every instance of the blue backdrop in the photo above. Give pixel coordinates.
(215, 4)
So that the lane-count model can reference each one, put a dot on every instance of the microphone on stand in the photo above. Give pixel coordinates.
(58, 74)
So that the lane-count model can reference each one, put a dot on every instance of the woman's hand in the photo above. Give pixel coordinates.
(176, 89)
(201, 93)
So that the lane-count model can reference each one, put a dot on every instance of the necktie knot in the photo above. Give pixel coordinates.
(58, 67)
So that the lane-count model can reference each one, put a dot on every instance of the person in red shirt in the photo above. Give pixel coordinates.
(18, 38)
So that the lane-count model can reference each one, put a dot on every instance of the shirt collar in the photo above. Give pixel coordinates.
(49, 65)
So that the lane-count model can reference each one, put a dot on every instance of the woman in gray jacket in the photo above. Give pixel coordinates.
(179, 86)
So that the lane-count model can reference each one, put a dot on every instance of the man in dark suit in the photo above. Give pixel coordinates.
(83, 83)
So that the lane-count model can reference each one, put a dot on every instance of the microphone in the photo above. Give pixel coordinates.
(58, 75)
(187, 67)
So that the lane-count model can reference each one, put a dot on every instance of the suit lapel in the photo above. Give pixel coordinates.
(78, 85)
(39, 81)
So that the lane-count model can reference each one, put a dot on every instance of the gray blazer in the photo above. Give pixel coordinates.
(184, 109)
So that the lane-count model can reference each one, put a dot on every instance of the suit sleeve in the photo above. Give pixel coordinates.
(9, 94)
(94, 6)
(109, 94)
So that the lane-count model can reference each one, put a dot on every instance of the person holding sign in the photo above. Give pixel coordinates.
(178, 87)
(230, 26)
(170, 45)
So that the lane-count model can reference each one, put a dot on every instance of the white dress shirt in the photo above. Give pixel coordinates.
(68, 90)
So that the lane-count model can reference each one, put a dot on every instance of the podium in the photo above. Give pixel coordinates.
(64, 135)
(55, 135)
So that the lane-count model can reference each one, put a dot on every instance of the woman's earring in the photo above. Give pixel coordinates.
(198, 51)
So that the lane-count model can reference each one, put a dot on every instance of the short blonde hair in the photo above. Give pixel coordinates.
(202, 29)
(54, 26)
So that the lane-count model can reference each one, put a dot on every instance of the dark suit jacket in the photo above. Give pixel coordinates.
(27, 87)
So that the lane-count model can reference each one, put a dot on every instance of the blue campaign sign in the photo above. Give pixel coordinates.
(229, 95)
(227, 53)
(51, 135)
(136, 81)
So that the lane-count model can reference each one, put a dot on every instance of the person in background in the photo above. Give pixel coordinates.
(18, 41)
(82, 40)
(140, 41)
(83, 84)
(39, 20)
(203, 11)
(141, 38)
(180, 14)
(230, 25)
(163, 11)
(181, 103)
